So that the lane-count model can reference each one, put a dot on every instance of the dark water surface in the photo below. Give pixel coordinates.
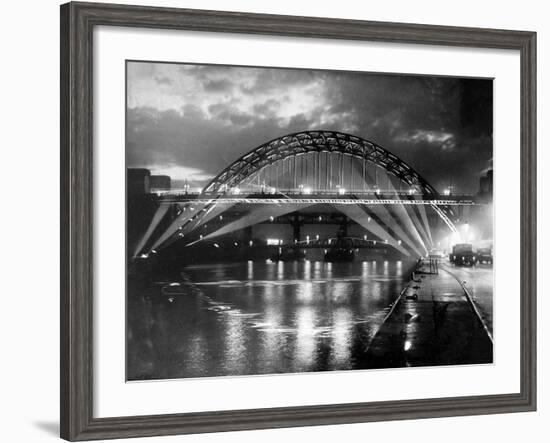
(259, 318)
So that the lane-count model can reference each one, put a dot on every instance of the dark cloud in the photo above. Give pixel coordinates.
(217, 85)
(163, 80)
(267, 109)
(270, 80)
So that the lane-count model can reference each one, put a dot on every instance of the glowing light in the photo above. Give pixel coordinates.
(216, 245)
(320, 218)
(200, 236)
(221, 217)
(271, 218)
(273, 241)
(236, 244)
(307, 239)
(307, 191)
(317, 237)
(407, 345)
(364, 237)
(342, 191)
(250, 243)
(236, 191)
(398, 242)
(447, 191)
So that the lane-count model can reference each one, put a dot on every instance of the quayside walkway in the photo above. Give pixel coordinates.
(433, 322)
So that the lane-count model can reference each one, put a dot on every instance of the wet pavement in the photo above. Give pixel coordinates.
(478, 281)
(433, 323)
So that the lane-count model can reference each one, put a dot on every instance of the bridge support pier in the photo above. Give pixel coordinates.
(343, 230)
(296, 226)
(248, 234)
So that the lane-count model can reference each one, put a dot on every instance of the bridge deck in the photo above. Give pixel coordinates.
(311, 201)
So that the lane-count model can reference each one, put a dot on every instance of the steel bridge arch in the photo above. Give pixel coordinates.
(304, 142)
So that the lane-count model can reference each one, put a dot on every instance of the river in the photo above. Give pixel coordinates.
(259, 318)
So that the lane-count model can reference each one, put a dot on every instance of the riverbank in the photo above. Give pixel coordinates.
(433, 322)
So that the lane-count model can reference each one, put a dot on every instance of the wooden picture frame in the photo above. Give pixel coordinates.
(77, 23)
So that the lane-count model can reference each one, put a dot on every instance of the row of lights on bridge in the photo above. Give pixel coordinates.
(306, 190)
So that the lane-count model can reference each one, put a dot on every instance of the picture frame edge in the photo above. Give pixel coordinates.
(76, 236)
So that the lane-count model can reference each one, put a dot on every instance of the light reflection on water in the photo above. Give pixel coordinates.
(259, 318)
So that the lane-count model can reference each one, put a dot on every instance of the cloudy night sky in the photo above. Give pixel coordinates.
(191, 121)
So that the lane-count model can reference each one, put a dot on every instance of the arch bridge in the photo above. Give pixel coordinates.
(290, 173)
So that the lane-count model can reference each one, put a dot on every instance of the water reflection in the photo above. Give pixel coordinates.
(258, 318)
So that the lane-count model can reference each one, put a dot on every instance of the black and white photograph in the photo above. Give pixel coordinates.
(298, 220)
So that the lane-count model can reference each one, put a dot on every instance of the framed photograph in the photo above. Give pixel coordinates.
(273, 221)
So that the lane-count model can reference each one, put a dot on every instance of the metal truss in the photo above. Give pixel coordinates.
(306, 142)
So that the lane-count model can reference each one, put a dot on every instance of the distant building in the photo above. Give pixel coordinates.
(138, 181)
(160, 183)
(486, 185)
